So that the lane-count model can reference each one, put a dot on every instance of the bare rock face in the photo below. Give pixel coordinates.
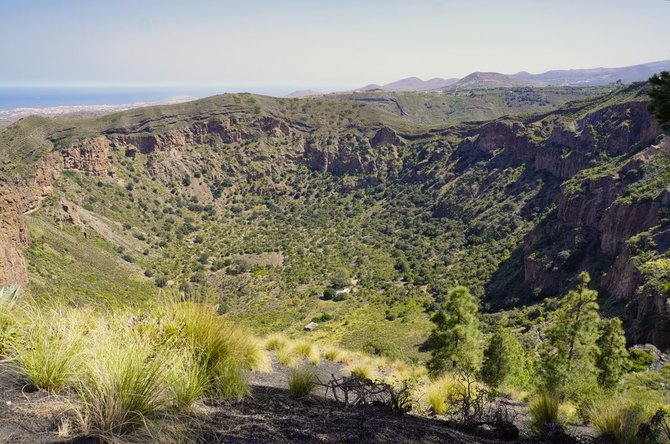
(607, 222)
(274, 127)
(14, 238)
(91, 155)
(350, 155)
(68, 213)
(198, 133)
(565, 150)
(385, 137)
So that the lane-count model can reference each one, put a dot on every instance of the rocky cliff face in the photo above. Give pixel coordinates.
(560, 150)
(598, 208)
(90, 155)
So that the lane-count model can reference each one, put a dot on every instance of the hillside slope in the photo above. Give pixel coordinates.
(261, 203)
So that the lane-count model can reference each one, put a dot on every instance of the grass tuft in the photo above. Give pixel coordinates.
(332, 353)
(122, 391)
(308, 350)
(544, 411)
(301, 382)
(618, 421)
(286, 356)
(276, 342)
(186, 380)
(49, 351)
(439, 392)
(363, 370)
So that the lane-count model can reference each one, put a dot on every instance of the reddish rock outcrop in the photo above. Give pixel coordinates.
(91, 155)
(196, 134)
(608, 221)
(385, 137)
(565, 150)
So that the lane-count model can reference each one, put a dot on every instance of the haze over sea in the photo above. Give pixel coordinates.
(12, 97)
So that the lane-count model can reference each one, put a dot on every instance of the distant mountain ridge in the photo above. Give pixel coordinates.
(412, 84)
(304, 93)
(567, 77)
(597, 76)
(478, 80)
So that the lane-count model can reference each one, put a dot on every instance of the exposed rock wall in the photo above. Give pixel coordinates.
(610, 221)
(91, 155)
(564, 151)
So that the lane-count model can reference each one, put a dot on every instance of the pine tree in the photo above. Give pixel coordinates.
(505, 360)
(569, 351)
(456, 338)
(660, 98)
(612, 353)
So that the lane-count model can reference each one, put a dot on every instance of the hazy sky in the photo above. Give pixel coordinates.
(318, 44)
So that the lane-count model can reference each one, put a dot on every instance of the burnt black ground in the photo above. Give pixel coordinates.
(269, 415)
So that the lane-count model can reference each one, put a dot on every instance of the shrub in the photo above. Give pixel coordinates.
(301, 382)
(618, 420)
(506, 362)
(329, 294)
(639, 360)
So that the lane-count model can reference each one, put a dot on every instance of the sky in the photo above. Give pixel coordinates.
(317, 44)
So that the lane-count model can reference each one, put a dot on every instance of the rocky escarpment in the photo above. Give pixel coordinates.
(216, 130)
(89, 155)
(351, 153)
(561, 148)
(601, 225)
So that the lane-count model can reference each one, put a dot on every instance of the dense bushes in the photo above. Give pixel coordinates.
(576, 375)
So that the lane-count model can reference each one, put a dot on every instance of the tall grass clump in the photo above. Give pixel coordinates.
(122, 391)
(9, 295)
(333, 354)
(186, 380)
(363, 370)
(618, 420)
(8, 331)
(48, 350)
(439, 393)
(276, 341)
(544, 409)
(222, 351)
(301, 382)
(308, 351)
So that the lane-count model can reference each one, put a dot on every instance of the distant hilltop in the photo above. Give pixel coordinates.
(566, 77)
(304, 93)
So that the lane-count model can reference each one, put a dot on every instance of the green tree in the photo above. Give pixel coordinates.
(505, 360)
(612, 354)
(341, 277)
(456, 339)
(660, 98)
(568, 352)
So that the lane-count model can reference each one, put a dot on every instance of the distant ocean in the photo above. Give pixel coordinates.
(45, 97)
